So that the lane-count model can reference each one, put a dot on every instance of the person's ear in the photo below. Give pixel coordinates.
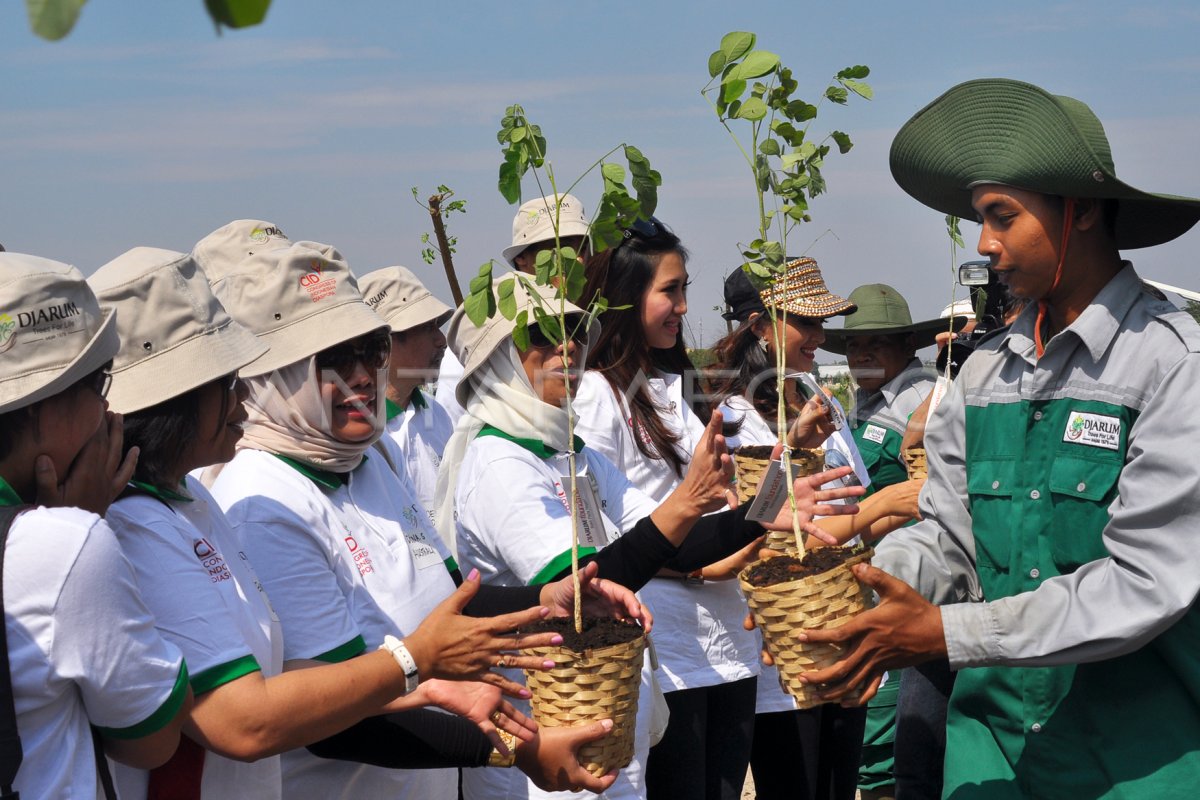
(759, 323)
(1089, 213)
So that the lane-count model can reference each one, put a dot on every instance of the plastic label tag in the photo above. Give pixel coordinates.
(592, 530)
(772, 494)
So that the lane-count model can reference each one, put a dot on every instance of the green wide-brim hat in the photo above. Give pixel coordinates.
(882, 311)
(995, 130)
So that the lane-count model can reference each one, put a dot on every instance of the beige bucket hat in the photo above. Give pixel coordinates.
(299, 298)
(534, 223)
(52, 330)
(474, 345)
(175, 335)
(239, 239)
(397, 295)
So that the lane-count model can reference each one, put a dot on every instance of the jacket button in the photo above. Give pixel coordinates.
(1036, 727)
(1033, 573)
(1035, 494)
(995, 484)
(1081, 486)
(1037, 415)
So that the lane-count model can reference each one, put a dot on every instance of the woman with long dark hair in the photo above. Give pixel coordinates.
(640, 405)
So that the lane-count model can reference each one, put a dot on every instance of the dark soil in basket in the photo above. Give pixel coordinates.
(762, 451)
(789, 568)
(596, 632)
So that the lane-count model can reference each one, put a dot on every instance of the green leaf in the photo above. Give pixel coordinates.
(859, 71)
(800, 111)
(859, 88)
(505, 300)
(772, 251)
(837, 95)
(613, 172)
(716, 63)
(520, 332)
(756, 64)
(759, 270)
(510, 177)
(795, 212)
(769, 147)
(237, 13)
(575, 279)
(53, 19)
(517, 134)
(843, 141)
(634, 156)
(736, 44)
(752, 109)
(731, 90)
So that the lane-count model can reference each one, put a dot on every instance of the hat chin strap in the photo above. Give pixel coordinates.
(1068, 217)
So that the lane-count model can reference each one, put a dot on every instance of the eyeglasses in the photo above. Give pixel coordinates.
(643, 229)
(575, 327)
(228, 382)
(371, 351)
(100, 380)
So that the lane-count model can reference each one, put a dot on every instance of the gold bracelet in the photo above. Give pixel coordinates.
(498, 759)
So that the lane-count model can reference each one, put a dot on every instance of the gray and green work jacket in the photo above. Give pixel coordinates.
(1061, 536)
(878, 422)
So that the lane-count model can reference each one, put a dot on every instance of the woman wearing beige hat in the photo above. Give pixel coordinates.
(501, 492)
(810, 753)
(345, 555)
(82, 648)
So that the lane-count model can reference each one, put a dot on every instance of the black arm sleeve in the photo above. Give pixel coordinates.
(417, 739)
(634, 558)
(492, 601)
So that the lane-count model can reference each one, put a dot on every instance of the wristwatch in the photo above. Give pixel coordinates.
(405, 660)
(694, 578)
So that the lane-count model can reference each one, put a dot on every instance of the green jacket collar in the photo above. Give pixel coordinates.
(321, 477)
(535, 446)
(8, 495)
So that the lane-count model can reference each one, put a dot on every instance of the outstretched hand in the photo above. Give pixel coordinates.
(97, 475)
(452, 646)
(903, 630)
(483, 705)
(709, 481)
(601, 598)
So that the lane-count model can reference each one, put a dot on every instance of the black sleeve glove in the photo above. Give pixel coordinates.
(417, 739)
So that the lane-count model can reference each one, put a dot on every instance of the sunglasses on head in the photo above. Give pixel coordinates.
(643, 229)
(371, 351)
(575, 329)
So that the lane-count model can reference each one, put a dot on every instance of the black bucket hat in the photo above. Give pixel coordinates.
(995, 130)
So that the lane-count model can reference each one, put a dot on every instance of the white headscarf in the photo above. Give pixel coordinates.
(501, 396)
(288, 417)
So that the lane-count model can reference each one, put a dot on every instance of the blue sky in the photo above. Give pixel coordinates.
(144, 127)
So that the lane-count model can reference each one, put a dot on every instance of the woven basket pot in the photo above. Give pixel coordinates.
(914, 461)
(751, 463)
(584, 687)
(826, 600)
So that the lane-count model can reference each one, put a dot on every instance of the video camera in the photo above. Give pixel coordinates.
(990, 299)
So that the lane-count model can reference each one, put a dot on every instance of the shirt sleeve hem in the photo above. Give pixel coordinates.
(557, 565)
(970, 630)
(343, 652)
(222, 674)
(160, 718)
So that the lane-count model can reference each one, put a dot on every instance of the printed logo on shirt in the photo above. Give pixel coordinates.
(211, 560)
(318, 286)
(874, 433)
(362, 558)
(1093, 430)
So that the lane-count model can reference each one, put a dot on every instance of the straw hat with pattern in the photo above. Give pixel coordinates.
(53, 332)
(801, 291)
(397, 295)
(1007, 132)
(299, 298)
(882, 311)
(175, 336)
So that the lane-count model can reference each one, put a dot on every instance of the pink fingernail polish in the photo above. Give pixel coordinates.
(474, 574)
(558, 639)
(525, 694)
(548, 664)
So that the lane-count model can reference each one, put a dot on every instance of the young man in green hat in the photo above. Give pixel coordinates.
(1062, 511)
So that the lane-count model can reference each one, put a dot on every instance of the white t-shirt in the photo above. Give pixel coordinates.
(196, 579)
(449, 373)
(344, 565)
(698, 631)
(81, 647)
(755, 430)
(514, 526)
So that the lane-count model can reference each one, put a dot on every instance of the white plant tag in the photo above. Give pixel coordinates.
(592, 532)
(940, 387)
(810, 389)
(772, 494)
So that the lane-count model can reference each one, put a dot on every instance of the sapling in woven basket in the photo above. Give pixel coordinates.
(599, 666)
(814, 590)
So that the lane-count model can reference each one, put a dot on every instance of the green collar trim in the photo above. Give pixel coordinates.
(535, 446)
(321, 477)
(416, 400)
(394, 409)
(8, 495)
(161, 493)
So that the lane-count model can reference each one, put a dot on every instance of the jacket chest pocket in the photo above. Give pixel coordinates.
(991, 485)
(1082, 490)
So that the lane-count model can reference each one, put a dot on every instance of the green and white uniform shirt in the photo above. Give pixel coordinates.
(346, 559)
(879, 420)
(514, 526)
(416, 438)
(82, 648)
(206, 600)
(1062, 535)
